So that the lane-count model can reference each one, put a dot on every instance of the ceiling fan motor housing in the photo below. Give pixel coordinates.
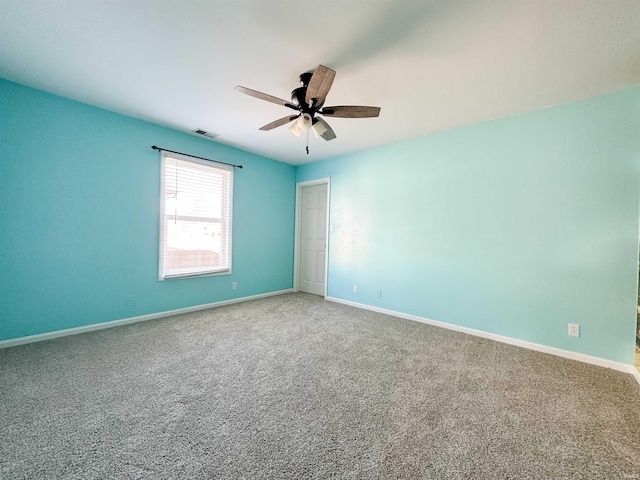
(305, 78)
(297, 96)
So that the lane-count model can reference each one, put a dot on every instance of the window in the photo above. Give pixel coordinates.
(195, 217)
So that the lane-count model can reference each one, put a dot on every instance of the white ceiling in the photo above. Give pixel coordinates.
(430, 65)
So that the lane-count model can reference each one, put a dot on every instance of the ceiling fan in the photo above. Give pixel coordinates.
(308, 100)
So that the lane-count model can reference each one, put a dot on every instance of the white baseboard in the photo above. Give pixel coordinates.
(581, 357)
(13, 342)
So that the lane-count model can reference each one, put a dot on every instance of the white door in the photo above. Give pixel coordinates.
(313, 238)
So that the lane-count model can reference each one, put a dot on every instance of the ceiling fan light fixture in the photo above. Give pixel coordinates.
(295, 129)
(318, 128)
(304, 121)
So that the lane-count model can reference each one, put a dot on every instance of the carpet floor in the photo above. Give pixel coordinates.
(294, 386)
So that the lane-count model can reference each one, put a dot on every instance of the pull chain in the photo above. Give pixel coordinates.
(307, 141)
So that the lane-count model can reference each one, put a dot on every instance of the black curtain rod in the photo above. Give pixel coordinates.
(201, 158)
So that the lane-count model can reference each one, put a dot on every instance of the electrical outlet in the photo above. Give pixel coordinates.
(234, 286)
(131, 300)
(379, 294)
(355, 289)
(574, 330)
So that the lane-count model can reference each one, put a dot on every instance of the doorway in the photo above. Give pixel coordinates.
(312, 235)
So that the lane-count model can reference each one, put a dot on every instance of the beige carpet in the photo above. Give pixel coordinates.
(297, 387)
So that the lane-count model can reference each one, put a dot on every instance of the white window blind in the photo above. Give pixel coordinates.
(195, 217)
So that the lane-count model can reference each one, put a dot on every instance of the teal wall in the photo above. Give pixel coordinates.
(516, 226)
(79, 200)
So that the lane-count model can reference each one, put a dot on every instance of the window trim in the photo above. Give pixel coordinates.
(162, 239)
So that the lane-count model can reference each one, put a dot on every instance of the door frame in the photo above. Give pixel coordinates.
(298, 232)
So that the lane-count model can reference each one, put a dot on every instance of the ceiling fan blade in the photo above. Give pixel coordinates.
(319, 85)
(328, 134)
(279, 122)
(264, 96)
(351, 111)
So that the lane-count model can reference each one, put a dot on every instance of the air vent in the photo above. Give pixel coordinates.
(204, 133)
